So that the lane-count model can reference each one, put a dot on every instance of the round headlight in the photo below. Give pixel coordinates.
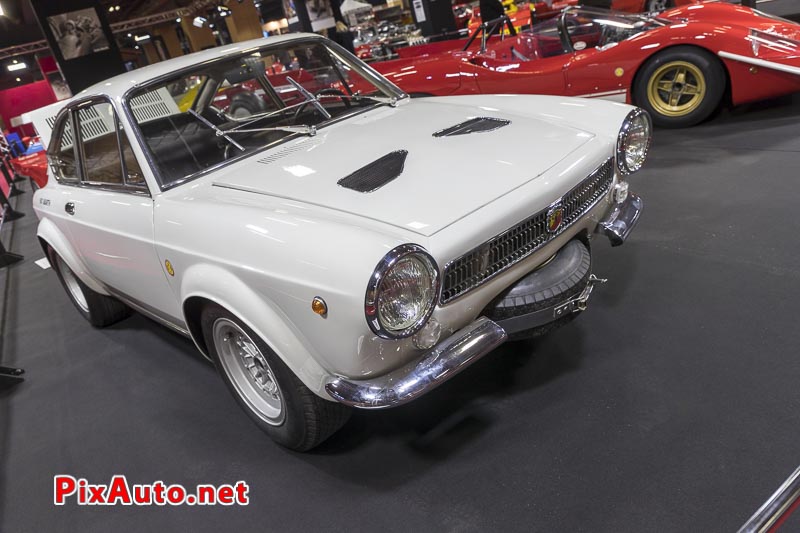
(633, 142)
(402, 292)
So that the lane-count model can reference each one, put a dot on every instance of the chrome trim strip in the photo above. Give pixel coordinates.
(619, 222)
(436, 366)
(761, 63)
(536, 223)
(769, 514)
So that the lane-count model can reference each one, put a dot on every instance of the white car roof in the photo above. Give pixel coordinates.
(117, 86)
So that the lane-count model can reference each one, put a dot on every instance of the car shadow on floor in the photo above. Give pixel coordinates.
(455, 414)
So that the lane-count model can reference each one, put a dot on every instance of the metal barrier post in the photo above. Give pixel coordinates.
(777, 508)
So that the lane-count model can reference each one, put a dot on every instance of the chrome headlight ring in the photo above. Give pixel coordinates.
(373, 301)
(633, 141)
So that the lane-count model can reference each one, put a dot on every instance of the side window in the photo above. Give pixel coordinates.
(98, 132)
(62, 158)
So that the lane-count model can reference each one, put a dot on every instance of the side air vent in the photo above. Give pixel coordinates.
(375, 175)
(473, 125)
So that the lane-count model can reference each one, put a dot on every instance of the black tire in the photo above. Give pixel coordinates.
(703, 74)
(305, 421)
(99, 310)
(562, 278)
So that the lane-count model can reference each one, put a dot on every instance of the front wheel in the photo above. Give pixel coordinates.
(268, 391)
(680, 87)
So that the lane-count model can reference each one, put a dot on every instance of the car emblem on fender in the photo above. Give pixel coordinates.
(555, 217)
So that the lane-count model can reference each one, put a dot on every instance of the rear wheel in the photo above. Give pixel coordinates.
(680, 87)
(98, 309)
(268, 391)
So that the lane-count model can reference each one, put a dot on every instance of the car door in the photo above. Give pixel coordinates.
(109, 213)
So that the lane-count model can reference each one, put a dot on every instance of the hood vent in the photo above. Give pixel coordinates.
(375, 175)
(473, 125)
(304, 144)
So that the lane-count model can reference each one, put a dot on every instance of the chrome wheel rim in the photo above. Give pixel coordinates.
(249, 371)
(73, 287)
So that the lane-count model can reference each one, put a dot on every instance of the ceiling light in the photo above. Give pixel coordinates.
(178, 20)
(116, 8)
(19, 79)
(1, 11)
(111, 9)
(16, 66)
(199, 22)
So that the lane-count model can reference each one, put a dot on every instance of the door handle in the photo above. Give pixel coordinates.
(70, 208)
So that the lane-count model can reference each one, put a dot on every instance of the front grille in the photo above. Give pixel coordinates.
(515, 244)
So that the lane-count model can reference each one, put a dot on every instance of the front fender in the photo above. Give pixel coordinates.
(224, 288)
(53, 236)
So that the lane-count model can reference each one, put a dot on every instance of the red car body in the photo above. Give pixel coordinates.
(760, 56)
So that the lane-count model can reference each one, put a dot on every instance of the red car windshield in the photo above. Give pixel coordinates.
(579, 29)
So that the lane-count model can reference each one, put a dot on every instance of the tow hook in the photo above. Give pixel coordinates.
(576, 305)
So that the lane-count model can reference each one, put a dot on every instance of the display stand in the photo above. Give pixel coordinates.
(6, 257)
(9, 213)
(12, 189)
(8, 171)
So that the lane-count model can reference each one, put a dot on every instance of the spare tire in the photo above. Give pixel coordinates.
(560, 279)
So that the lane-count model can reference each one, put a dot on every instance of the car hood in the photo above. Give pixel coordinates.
(443, 179)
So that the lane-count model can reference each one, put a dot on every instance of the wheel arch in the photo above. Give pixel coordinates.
(272, 326)
(726, 95)
(49, 235)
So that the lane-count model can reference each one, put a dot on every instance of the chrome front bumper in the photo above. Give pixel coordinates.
(441, 363)
(619, 222)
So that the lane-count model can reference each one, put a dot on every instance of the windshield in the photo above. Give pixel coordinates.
(226, 109)
(583, 29)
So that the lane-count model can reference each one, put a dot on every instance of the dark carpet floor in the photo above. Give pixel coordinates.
(671, 405)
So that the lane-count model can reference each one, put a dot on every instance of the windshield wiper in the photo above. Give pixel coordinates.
(302, 128)
(310, 98)
(390, 100)
(218, 131)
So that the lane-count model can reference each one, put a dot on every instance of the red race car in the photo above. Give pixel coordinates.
(679, 66)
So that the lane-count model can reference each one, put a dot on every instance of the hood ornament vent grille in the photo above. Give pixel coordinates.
(473, 125)
(375, 175)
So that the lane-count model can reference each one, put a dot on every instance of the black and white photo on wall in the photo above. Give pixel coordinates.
(78, 33)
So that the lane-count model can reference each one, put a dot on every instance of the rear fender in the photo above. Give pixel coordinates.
(50, 234)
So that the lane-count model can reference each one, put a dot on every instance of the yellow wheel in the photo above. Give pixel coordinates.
(680, 86)
(676, 88)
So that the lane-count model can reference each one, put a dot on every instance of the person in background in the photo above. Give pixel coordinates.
(340, 33)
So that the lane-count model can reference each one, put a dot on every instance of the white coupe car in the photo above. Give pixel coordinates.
(327, 241)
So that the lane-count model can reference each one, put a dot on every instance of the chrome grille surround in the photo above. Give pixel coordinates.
(518, 242)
